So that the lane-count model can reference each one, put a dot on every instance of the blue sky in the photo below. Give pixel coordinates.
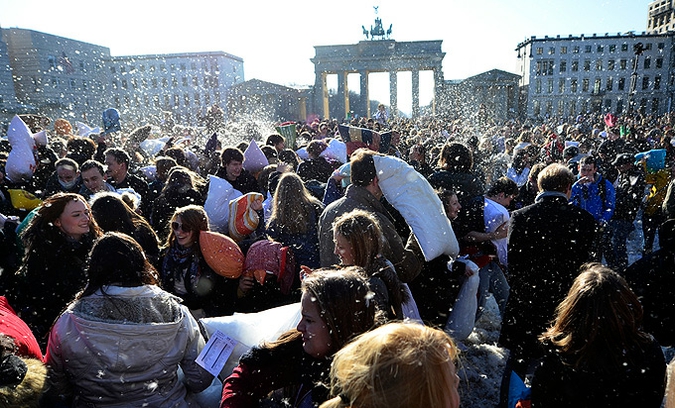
(276, 38)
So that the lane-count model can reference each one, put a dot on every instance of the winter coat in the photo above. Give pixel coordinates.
(53, 186)
(245, 183)
(49, 280)
(12, 326)
(466, 185)
(285, 366)
(638, 380)
(140, 186)
(315, 169)
(87, 194)
(630, 191)
(404, 257)
(134, 182)
(652, 278)
(547, 243)
(598, 198)
(123, 349)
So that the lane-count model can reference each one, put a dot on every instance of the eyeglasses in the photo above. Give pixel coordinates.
(178, 226)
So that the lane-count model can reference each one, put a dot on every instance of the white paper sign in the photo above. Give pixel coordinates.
(216, 352)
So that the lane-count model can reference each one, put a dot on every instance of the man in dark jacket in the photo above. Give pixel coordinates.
(548, 241)
(364, 193)
(630, 191)
(652, 279)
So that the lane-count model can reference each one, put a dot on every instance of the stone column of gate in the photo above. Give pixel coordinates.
(324, 95)
(393, 94)
(343, 95)
(438, 86)
(415, 93)
(364, 109)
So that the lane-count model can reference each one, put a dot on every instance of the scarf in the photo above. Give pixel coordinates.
(177, 260)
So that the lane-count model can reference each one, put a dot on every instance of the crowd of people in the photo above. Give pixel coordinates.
(105, 279)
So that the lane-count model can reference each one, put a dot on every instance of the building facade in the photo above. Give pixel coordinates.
(9, 105)
(374, 56)
(567, 76)
(661, 17)
(487, 98)
(144, 87)
(60, 77)
(260, 99)
(55, 75)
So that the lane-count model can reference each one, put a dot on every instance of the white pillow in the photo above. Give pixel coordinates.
(254, 158)
(336, 150)
(21, 163)
(250, 329)
(41, 138)
(412, 195)
(302, 153)
(153, 146)
(85, 131)
(217, 205)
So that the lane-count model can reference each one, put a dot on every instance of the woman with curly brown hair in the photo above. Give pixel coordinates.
(57, 241)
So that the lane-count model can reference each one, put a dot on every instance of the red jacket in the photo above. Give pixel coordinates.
(13, 326)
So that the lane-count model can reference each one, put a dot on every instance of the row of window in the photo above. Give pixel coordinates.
(64, 64)
(209, 81)
(621, 83)
(72, 83)
(587, 49)
(563, 108)
(205, 66)
(547, 67)
(168, 101)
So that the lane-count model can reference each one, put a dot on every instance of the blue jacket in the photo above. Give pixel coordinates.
(591, 198)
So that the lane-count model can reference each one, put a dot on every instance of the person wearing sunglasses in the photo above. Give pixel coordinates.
(185, 273)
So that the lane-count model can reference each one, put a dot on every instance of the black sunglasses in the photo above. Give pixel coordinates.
(178, 226)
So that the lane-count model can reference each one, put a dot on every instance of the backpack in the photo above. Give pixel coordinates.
(267, 257)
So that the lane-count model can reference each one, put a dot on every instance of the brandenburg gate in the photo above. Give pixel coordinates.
(375, 55)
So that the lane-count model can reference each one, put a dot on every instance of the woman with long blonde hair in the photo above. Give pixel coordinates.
(397, 365)
(294, 220)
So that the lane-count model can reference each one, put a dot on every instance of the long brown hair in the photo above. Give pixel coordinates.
(293, 205)
(117, 259)
(364, 235)
(344, 300)
(41, 228)
(600, 317)
(194, 219)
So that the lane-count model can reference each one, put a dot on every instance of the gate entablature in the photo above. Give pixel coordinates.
(376, 56)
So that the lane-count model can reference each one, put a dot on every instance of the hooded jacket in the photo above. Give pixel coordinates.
(123, 348)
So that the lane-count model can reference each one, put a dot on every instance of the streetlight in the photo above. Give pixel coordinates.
(637, 49)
